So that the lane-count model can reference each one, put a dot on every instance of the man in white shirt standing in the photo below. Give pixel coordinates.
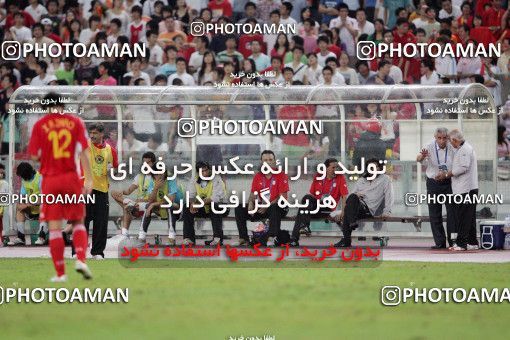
(324, 53)
(428, 75)
(201, 45)
(42, 78)
(437, 156)
(449, 11)
(464, 177)
(364, 26)
(329, 112)
(395, 72)
(300, 69)
(135, 66)
(348, 28)
(285, 18)
(155, 54)
(445, 66)
(36, 10)
(87, 35)
(187, 79)
(423, 19)
(467, 67)
(19, 31)
(337, 77)
(270, 39)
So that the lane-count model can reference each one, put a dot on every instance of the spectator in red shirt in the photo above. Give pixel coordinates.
(59, 168)
(9, 19)
(220, 8)
(403, 36)
(493, 16)
(264, 187)
(246, 39)
(332, 185)
(480, 6)
(295, 144)
(466, 17)
(481, 34)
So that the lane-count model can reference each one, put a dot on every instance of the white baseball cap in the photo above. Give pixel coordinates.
(46, 21)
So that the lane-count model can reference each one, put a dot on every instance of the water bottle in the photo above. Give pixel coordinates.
(506, 245)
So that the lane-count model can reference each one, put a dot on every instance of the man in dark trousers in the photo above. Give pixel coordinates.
(332, 185)
(437, 156)
(369, 196)
(464, 176)
(270, 186)
(102, 156)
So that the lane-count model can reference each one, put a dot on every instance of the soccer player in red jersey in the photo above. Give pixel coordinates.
(270, 186)
(333, 185)
(59, 141)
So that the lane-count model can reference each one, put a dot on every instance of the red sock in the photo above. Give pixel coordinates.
(57, 251)
(80, 241)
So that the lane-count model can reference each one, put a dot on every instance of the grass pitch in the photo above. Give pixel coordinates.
(288, 303)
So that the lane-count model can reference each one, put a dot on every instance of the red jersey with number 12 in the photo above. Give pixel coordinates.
(58, 139)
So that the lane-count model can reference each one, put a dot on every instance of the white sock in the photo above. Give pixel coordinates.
(124, 232)
(20, 226)
(171, 233)
(142, 234)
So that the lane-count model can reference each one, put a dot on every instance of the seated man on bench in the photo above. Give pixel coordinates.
(333, 185)
(270, 186)
(162, 188)
(365, 200)
(143, 184)
(30, 185)
(211, 192)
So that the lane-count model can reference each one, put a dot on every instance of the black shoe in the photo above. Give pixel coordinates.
(306, 231)
(438, 247)
(214, 242)
(294, 244)
(362, 238)
(343, 243)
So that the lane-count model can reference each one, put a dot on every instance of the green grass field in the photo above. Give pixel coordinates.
(288, 303)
